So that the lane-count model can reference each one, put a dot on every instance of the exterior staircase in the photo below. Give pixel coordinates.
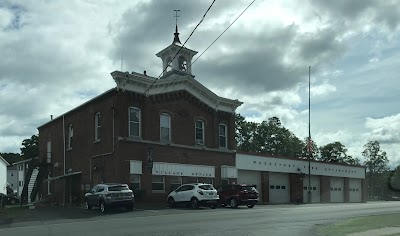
(31, 185)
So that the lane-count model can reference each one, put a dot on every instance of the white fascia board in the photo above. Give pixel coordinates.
(140, 83)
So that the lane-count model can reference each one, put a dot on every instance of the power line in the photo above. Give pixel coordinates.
(211, 44)
(201, 20)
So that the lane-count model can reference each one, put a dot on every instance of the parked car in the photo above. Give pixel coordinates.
(9, 199)
(107, 196)
(234, 195)
(194, 195)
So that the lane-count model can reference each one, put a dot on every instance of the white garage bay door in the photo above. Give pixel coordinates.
(354, 190)
(315, 189)
(337, 189)
(279, 188)
(250, 177)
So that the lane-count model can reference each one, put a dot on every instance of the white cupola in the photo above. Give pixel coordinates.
(182, 61)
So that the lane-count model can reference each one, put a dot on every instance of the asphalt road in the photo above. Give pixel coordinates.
(261, 220)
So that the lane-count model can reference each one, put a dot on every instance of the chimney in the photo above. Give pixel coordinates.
(51, 117)
(145, 73)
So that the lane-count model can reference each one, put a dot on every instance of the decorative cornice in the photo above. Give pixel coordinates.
(139, 83)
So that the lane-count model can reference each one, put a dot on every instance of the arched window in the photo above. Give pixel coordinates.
(182, 63)
(134, 122)
(169, 64)
(165, 127)
(97, 127)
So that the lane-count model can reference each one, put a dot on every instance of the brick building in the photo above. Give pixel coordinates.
(158, 134)
(151, 134)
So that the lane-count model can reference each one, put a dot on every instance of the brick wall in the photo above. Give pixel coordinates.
(265, 186)
(296, 188)
(89, 157)
(325, 189)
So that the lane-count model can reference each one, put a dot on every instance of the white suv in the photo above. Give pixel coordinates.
(194, 195)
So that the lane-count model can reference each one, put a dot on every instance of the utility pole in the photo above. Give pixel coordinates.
(309, 137)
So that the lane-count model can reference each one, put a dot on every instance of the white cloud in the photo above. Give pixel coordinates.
(385, 130)
(322, 89)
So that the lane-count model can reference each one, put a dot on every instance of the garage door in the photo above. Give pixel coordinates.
(337, 191)
(315, 189)
(250, 177)
(355, 190)
(279, 188)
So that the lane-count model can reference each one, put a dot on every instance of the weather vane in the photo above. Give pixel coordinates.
(176, 16)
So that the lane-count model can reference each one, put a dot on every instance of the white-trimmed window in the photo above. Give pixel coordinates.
(97, 126)
(134, 122)
(157, 183)
(135, 181)
(165, 127)
(199, 132)
(223, 133)
(70, 136)
(175, 182)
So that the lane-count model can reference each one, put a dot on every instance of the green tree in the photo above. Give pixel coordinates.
(245, 132)
(334, 152)
(268, 137)
(11, 157)
(395, 179)
(376, 162)
(30, 147)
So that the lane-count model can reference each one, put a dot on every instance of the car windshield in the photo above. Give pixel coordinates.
(248, 188)
(206, 187)
(118, 188)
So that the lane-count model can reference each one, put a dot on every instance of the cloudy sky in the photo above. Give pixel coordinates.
(56, 55)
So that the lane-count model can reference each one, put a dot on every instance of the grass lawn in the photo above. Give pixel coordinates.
(360, 224)
(14, 212)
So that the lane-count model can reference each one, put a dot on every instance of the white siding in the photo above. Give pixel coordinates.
(282, 194)
(315, 189)
(3, 177)
(12, 178)
(251, 177)
(160, 168)
(354, 190)
(21, 177)
(283, 165)
(337, 189)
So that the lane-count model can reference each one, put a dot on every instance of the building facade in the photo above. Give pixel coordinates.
(157, 134)
(16, 175)
(287, 180)
(152, 134)
(3, 175)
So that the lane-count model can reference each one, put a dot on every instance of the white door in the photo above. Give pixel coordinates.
(279, 188)
(337, 189)
(354, 190)
(251, 177)
(315, 189)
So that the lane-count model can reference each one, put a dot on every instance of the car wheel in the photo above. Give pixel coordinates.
(129, 207)
(103, 207)
(213, 206)
(194, 203)
(250, 205)
(87, 205)
(171, 202)
(233, 203)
